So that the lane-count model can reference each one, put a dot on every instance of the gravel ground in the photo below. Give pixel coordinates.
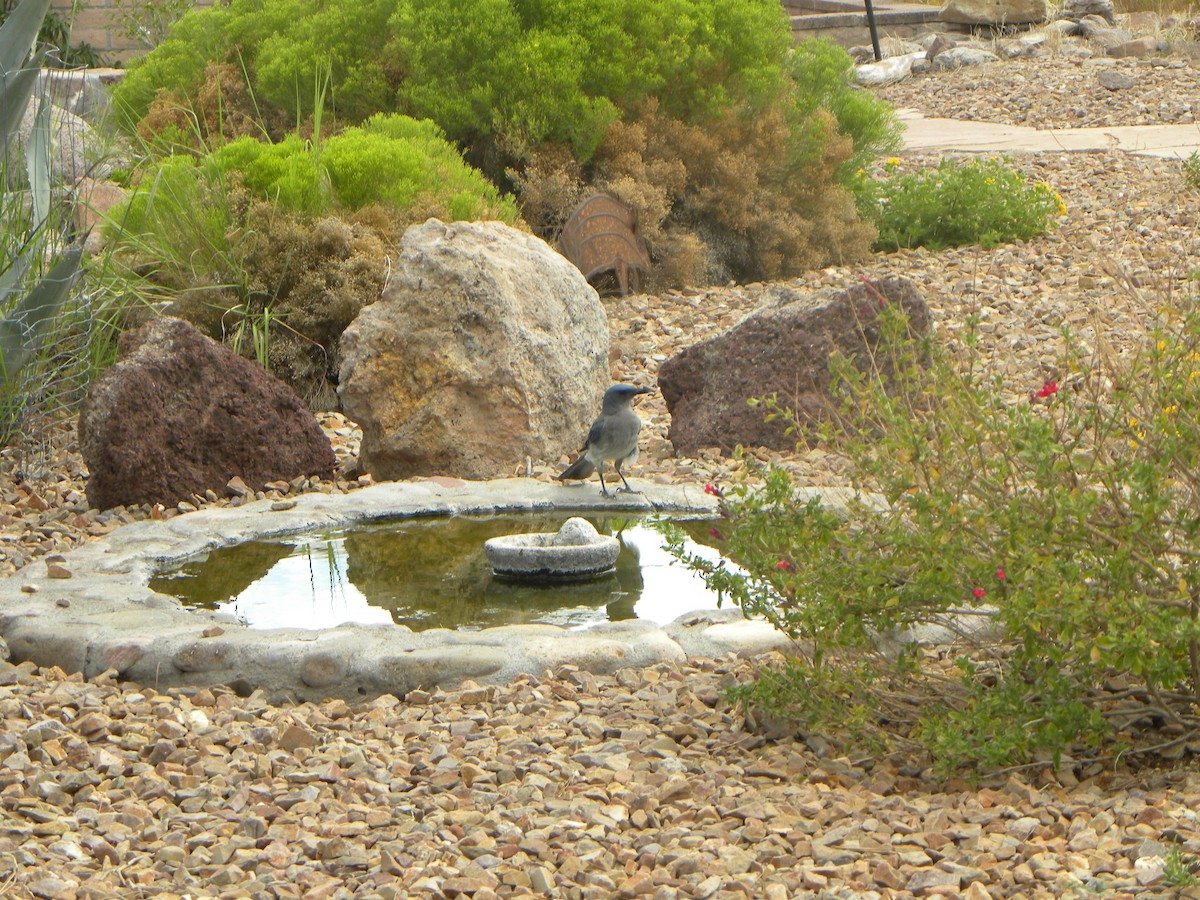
(643, 784)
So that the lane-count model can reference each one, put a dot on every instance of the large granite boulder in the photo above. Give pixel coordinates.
(995, 12)
(486, 348)
(179, 413)
(782, 347)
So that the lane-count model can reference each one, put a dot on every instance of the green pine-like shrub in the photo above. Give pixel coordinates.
(543, 96)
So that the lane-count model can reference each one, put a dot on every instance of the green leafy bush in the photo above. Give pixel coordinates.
(515, 83)
(981, 202)
(1064, 520)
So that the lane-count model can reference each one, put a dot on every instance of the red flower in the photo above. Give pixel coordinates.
(1000, 574)
(716, 534)
(785, 565)
(979, 593)
(1050, 387)
(713, 489)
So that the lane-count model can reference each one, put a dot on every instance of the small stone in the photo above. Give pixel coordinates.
(1113, 80)
(54, 570)
(296, 737)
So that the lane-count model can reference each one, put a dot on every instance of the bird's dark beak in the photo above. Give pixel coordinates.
(648, 390)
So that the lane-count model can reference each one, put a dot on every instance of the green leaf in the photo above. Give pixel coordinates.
(21, 332)
(19, 32)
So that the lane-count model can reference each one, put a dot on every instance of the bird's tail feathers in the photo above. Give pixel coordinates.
(580, 469)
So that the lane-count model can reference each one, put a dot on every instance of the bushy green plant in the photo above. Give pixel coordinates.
(393, 160)
(179, 217)
(176, 66)
(1191, 169)
(983, 201)
(513, 81)
(398, 161)
(1066, 520)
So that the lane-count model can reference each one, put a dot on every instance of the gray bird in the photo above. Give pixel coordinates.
(613, 438)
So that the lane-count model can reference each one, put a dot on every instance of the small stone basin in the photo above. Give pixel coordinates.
(575, 552)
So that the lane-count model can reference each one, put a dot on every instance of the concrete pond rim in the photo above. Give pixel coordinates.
(100, 614)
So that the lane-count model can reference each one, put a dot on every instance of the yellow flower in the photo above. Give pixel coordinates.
(892, 162)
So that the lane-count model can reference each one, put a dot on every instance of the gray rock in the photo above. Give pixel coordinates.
(717, 632)
(886, 71)
(1113, 80)
(995, 12)
(76, 149)
(487, 348)
(1097, 31)
(958, 57)
(1078, 9)
(1023, 46)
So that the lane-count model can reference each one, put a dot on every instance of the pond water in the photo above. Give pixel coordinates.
(432, 573)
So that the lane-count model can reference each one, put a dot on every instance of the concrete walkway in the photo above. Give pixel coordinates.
(1167, 141)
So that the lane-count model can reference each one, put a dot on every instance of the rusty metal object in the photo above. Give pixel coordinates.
(600, 237)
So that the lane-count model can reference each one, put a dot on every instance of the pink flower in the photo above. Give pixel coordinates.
(785, 565)
(979, 593)
(1050, 387)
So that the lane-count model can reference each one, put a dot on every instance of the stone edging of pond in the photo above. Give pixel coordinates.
(100, 613)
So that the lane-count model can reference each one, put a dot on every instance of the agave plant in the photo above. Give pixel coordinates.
(29, 310)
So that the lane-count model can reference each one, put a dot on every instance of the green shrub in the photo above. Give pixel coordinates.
(515, 82)
(287, 173)
(176, 66)
(1191, 169)
(824, 75)
(1068, 519)
(392, 160)
(981, 202)
(399, 161)
(179, 224)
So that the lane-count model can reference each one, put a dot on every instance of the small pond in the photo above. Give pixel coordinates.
(432, 573)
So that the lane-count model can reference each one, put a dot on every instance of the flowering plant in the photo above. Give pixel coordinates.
(1051, 527)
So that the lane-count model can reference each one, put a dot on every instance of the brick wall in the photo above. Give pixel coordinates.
(92, 24)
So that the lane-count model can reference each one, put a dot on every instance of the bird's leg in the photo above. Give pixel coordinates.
(627, 488)
(600, 469)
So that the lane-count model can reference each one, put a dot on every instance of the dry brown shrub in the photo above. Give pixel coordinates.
(550, 186)
(315, 277)
(223, 110)
(727, 200)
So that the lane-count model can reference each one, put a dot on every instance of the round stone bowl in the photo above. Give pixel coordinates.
(575, 552)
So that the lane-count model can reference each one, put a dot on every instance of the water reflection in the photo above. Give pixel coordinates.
(431, 573)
